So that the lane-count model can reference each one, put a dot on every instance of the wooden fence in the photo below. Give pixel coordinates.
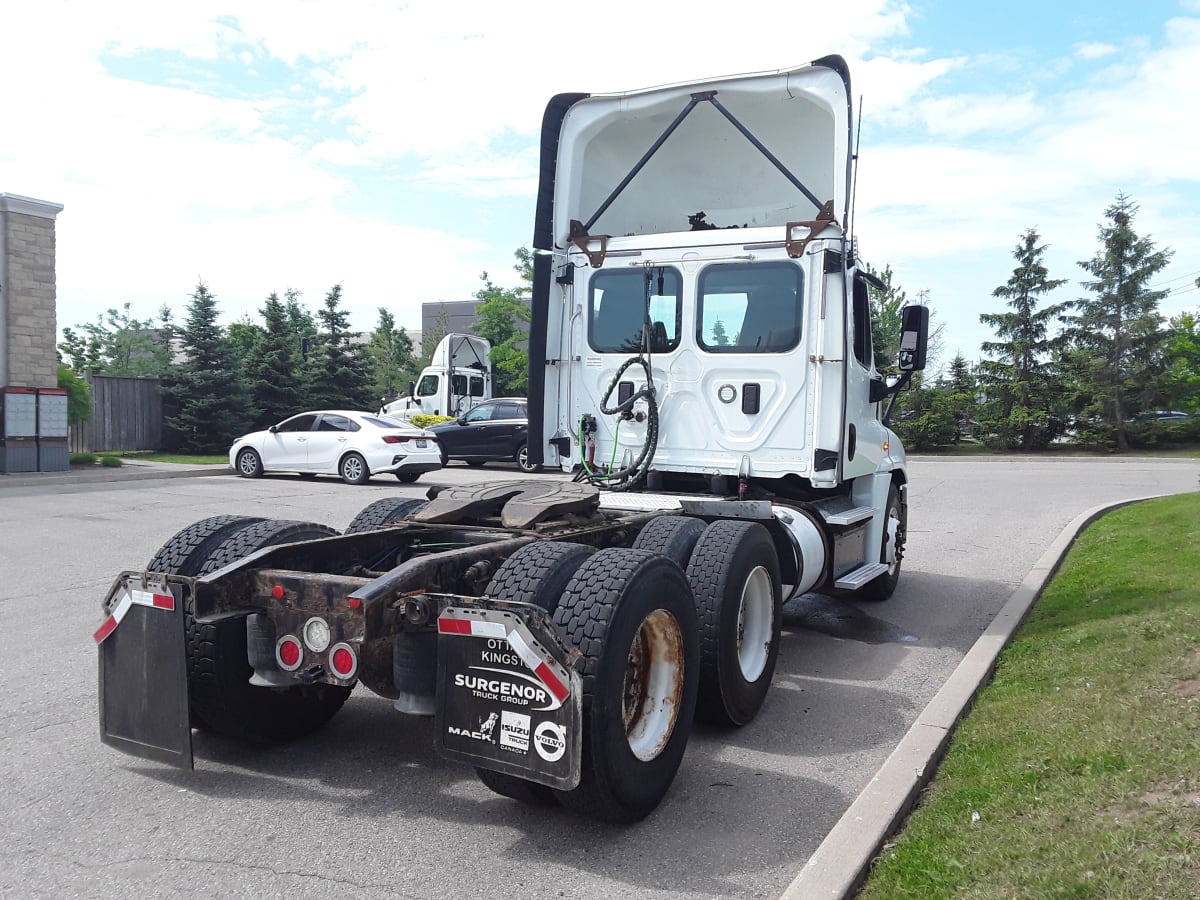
(127, 414)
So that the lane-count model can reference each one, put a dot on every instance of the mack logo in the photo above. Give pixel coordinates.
(526, 691)
(486, 727)
(550, 741)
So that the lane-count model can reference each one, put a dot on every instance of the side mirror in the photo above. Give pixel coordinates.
(461, 420)
(412, 390)
(273, 429)
(914, 338)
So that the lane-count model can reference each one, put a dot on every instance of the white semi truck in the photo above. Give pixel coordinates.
(701, 363)
(458, 378)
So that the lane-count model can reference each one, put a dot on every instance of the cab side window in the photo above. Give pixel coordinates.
(862, 324)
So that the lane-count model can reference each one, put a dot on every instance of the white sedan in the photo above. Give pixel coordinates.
(354, 445)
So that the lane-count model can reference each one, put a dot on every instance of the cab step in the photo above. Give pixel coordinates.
(850, 516)
(855, 579)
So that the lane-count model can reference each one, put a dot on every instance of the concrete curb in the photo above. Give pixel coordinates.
(841, 863)
(102, 475)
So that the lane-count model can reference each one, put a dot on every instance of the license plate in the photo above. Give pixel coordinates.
(422, 443)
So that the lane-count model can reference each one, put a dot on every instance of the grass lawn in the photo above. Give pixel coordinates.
(1077, 773)
(180, 458)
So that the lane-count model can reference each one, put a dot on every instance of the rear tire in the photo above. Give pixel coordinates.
(734, 574)
(353, 469)
(475, 463)
(218, 667)
(537, 573)
(674, 537)
(387, 511)
(408, 477)
(184, 554)
(631, 615)
(248, 463)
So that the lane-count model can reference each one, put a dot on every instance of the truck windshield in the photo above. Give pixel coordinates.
(428, 386)
(749, 307)
(616, 309)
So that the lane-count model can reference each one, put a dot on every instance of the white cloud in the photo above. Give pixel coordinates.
(1095, 50)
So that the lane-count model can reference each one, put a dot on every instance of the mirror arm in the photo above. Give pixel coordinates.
(895, 392)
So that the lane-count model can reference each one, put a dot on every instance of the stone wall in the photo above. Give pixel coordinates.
(28, 323)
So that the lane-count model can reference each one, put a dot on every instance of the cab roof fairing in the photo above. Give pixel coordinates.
(802, 116)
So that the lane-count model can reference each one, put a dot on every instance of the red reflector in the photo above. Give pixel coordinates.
(355, 602)
(342, 661)
(289, 653)
(277, 592)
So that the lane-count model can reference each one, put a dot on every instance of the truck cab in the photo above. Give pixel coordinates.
(457, 379)
(703, 230)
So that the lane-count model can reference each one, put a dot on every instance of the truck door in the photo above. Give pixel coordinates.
(864, 433)
(429, 394)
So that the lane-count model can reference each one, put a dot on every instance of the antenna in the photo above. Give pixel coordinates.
(854, 177)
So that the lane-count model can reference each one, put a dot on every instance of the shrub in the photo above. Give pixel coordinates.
(424, 420)
(113, 462)
(82, 459)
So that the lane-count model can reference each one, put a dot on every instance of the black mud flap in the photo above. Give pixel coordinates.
(507, 699)
(143, 672)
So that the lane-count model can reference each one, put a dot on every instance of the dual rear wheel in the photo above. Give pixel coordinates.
(687, 622)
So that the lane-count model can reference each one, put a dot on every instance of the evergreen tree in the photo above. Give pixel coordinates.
(720, 338)
(275, 370)
(342, 370)
(209, 399)
(392, 362)
(960, 386)
(1020, 383)
(1116, 332)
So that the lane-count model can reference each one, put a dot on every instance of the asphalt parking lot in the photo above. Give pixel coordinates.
(365, 806)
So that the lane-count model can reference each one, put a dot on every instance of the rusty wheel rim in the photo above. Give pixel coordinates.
(653, 686)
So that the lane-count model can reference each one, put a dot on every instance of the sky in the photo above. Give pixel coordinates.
(262, 145)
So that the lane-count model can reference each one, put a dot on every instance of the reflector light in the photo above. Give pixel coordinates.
(277, 592)
(288, 653)
(392, 439)
(343, 661)
(355, 602)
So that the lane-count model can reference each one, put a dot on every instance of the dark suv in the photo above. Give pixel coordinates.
(495, 430)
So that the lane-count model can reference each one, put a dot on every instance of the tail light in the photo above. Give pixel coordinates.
(343, 661)
(405, 438)
(288, 653)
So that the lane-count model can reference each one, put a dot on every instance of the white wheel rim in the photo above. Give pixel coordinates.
(653, 685)
(893, 529)
(352, 468)
(248, 466)
(756, 620)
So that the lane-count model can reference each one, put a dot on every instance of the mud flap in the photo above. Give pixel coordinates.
(143, 672)
(506, 698)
